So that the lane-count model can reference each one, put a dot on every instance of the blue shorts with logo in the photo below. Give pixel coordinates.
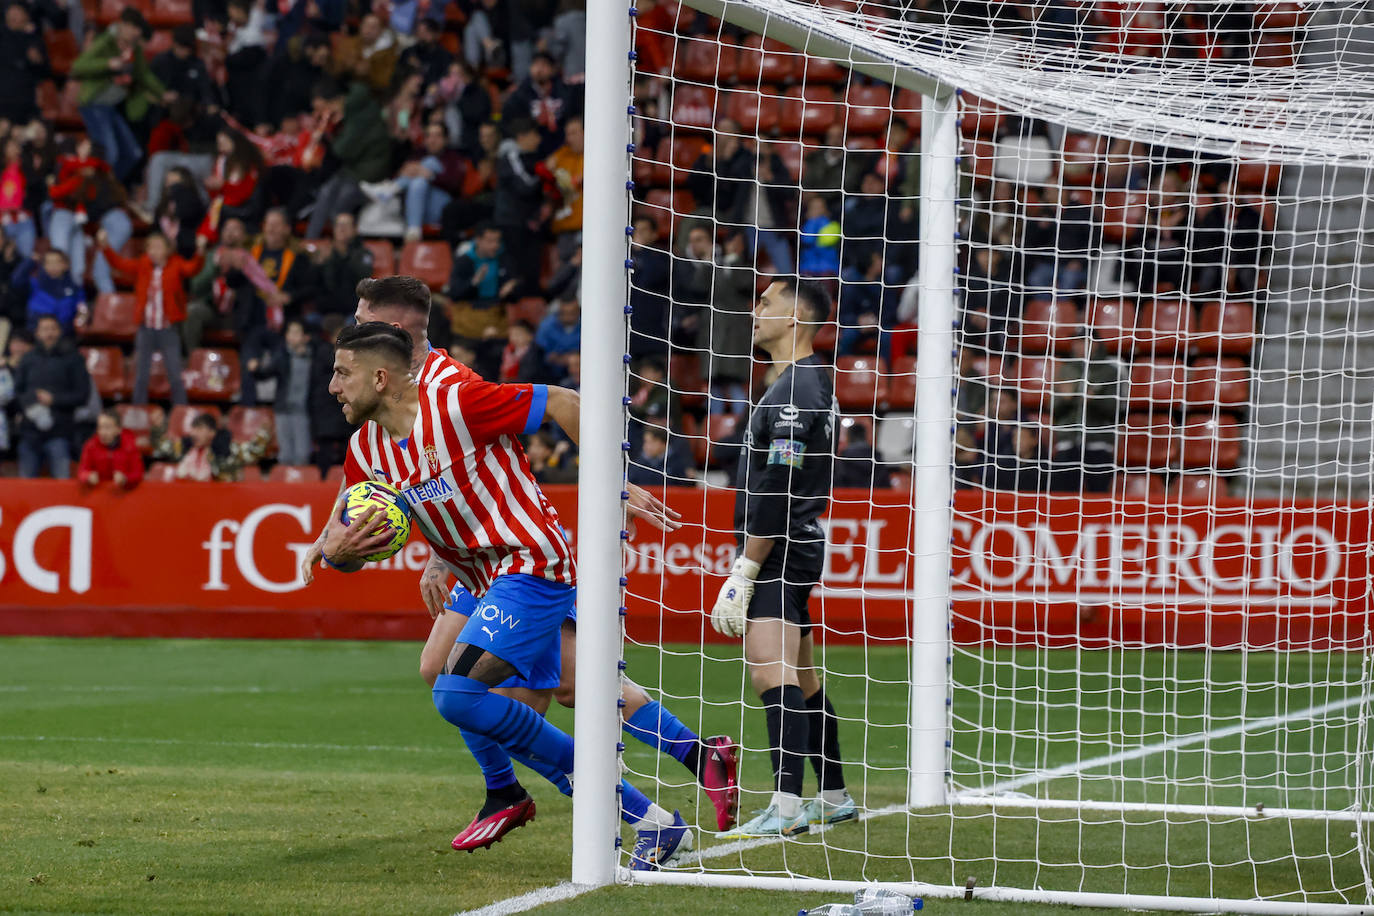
(519, 620)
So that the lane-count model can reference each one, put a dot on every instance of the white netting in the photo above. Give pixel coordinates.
(1159, 675)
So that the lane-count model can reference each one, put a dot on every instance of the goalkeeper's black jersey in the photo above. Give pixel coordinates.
(784, 476)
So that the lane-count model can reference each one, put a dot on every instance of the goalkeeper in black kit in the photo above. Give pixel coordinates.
(783, 485)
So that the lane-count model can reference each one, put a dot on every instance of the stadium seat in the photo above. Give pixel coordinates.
(810, 111)
(1279, 15)
(860, 383)
(694, 107)
(1146, 441)
(1199, 488)
(1156, 385)
(820, 71)
(1084, 159)
(826, 337)
(158, 42)
(649, 167)
(907, 105)
(704, 60)
(432, 262)
(1210, 440)
(530, 308)
(1112, 322)
(1257, 176)
(683, 153)
(767, 61)
(978, 117)
(167, 14)
(108, 10)
(1138, 486)
(383, 257)
(668, 207)
(1163, 327)
(251, 473)
(1226, 329)
(721, 428)
(335, 475)
(106, 367)
(791, 152)
(62, 49)
(1050, 326)
(286, 473)
(868, 108)
(905, 338)
(1223, 383)
(212, 375)
(895, 438)
(1035, 378)
(159, 389)
(244, 423)
(1123, 214)
(138, 420)
(901, 384)
(161, 472)
(754, 110)
(180, 419)
(68, 113)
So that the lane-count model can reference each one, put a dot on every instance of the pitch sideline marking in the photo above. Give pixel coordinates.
(1227, 731)
(258, 745)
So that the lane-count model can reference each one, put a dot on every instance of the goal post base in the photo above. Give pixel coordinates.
(1000, 894)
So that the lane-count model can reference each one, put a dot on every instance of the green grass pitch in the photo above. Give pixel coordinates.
(181, 776)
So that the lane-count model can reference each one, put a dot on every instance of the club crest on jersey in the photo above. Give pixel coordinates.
(432, 459)
(430, 490)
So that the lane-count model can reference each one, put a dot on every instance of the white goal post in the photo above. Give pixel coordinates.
(1209, 668)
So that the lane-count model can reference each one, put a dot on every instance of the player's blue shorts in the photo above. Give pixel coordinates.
(528, 604)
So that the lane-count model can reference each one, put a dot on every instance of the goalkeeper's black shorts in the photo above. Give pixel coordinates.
(783, 588)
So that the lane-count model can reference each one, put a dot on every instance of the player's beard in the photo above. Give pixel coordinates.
(363, 409)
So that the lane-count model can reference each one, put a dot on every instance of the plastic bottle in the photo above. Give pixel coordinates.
(882, 901)
(832, 909)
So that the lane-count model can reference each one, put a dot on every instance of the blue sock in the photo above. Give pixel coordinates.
(522, 732)
(491, 760)
(659, 728)
(634, 804)
(550, 772)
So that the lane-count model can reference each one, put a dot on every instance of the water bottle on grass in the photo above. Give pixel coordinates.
(882, 901)
(832, 909)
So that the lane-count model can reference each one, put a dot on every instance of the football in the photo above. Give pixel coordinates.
(372, 493)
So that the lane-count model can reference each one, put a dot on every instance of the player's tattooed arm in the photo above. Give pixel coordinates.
(345, 546)
(315, 555)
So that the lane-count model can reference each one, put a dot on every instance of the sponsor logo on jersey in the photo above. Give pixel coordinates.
(787, 452)
(379, 474)
(790, 417)
(430, 490)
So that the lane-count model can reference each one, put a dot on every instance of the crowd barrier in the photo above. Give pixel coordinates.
(202, 560)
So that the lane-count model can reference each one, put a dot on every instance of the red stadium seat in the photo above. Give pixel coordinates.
(649, 167)
(1111, 321)
(818, 71)
(868, 109)
(826, 337)
(860, 383)
(161, 472)
(694, 107)
(62, 49)
(702, 60)
(1156, 385)
(167, 14)
(1199, 488)
(1146, 441)
(907, 105)
(668, 207)
(159, 389)
(1279, 15)
(1123, 214)
(335, 475)
(383, 257)
(1210, 440)
(1223, 383)
(68, 114)
(106, 367)
(432, 262)
(979, 117)
(811, 111)
(1163, 326)
(1225, 328)
(109, 10)
(180, 419)
(901, 384)
(251, 473)
(212, 375)
(768, 61)
(1137, 486)
(1035, 378)
(530, 308)
(684, 374)
(791, 153)
(244, 424)
(904, 340)
(286, 473)
(720, 429)
(158, 42)
(683, 152)
(753, 110)
(1050, 326)
(1258, 176)
(1084, 158)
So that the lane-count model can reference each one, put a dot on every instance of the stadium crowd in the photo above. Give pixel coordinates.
(191, 192)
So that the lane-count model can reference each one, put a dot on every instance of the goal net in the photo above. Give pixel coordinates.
(1094, 613)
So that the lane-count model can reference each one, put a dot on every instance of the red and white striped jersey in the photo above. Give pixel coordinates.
(440, 368)
(467, 482)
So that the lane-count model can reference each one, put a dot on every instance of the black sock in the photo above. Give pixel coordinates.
(503, 797)
(824, 745)
(693, 759)
(787, 735)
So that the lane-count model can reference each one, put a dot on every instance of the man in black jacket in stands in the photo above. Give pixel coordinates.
(51, 383)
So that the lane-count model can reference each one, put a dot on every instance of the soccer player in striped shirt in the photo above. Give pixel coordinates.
(404, 302)
(451, 451)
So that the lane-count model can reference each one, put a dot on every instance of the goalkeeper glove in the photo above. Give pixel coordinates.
(730, 613)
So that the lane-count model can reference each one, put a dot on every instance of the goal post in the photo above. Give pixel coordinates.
(1095, 615)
